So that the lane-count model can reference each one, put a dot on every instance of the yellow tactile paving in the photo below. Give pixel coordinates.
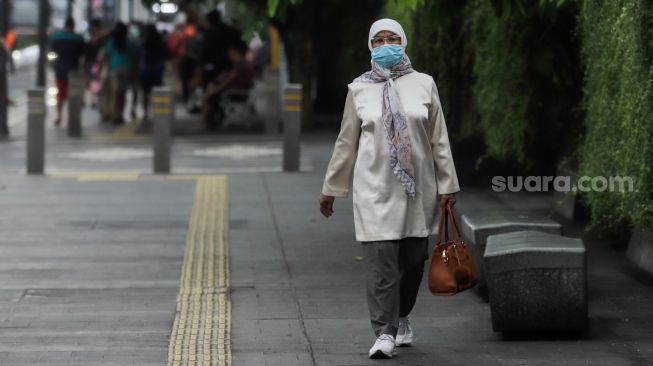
(201, 331)
(202, 326)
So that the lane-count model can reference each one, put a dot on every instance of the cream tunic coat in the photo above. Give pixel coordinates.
(382, 210)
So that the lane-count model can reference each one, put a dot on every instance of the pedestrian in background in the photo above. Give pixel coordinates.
(5, 49)
(189, 63)
(98, 38)
(153, 56)
(69, 48)
(119, 55)
(240, 77)
(218, 38)
(136, 34)
(176, 46)
(11, 38)
(393, 142)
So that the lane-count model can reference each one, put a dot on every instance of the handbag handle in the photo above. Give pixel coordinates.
(442, 226)
(446, 216)
(454, 224)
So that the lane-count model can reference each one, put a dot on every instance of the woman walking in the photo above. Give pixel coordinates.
(393, 141)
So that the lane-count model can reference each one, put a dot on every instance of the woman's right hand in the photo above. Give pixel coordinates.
(326, 205)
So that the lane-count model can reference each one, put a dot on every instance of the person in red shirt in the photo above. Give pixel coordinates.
(10, 42)
(177, 48)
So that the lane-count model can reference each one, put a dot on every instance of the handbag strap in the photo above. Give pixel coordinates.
(454, 225)
(446, 216)
(443, 229)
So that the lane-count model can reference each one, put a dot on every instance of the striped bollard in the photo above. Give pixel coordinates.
(35, 131)
(292, 122)
(163, 112)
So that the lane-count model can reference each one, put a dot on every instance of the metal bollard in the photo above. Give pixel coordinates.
(76, 90)
(163, 111)
(35, 131)
(292, 121)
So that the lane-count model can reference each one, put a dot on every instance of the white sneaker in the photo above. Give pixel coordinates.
(384, 347)
(404, 333)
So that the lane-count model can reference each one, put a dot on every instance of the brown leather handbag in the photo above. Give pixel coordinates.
(452, 267)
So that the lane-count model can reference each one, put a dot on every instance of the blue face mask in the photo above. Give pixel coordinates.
(388, 55)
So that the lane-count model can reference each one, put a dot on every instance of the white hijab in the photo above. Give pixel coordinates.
(387, 24)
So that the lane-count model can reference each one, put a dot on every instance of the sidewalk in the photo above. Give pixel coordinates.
(93, 261)
(298, 291)
(100, 263)
(89, 272)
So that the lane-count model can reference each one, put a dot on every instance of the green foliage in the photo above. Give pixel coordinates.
(401, 11)
(438, 45)
(278, 7)
(251, 19)
(524, 7)
(272, 7)
(508, 71)
(501, 92)
(528, 80)
(402, 6)
(617, 50)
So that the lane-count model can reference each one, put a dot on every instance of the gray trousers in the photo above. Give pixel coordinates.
(393, 274)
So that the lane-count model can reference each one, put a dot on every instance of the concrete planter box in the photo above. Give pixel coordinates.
(476, 227)
(537, 282)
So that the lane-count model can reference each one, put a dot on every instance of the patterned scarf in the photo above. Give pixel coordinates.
(394, 120)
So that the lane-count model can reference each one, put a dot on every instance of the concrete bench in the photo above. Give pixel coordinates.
(536, 282)
(478, 226)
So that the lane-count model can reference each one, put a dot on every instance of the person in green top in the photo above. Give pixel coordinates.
(120, 53)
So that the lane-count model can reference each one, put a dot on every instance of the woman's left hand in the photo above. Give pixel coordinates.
(448, 199)
(326, 205)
